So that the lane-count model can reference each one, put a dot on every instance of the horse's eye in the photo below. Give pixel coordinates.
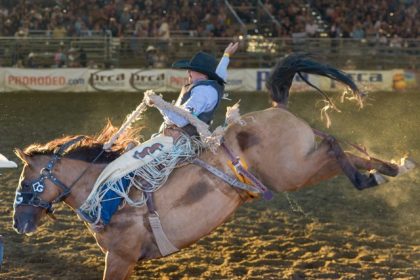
(25, 186)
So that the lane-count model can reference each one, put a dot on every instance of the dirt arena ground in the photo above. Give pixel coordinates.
(329, 231)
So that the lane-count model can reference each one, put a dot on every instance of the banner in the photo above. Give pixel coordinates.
(165, 80)
(15, 79)
(298, 85)
(366, 80)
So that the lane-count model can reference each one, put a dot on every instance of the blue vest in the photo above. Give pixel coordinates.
(206, 117)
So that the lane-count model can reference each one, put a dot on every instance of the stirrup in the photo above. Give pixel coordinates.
(85, 217)
(92, 222)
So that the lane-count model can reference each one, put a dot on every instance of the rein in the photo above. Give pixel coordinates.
(37, 186)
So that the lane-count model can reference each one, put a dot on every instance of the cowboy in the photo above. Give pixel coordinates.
(201, 98)
(202, 95)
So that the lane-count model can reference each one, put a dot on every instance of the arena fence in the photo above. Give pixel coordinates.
(255, 51)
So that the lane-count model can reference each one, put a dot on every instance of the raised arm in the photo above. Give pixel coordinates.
(221, 69)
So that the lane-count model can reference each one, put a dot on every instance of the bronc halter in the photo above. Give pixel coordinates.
(37, 186)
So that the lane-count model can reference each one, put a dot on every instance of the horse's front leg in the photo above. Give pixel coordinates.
(117, 267)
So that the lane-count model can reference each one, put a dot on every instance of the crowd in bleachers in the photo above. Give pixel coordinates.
(380, 22)
(141, 18)
(294, 17)
(381, 19)
(386, 22)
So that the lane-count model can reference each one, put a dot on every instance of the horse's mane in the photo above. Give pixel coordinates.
(90, 147)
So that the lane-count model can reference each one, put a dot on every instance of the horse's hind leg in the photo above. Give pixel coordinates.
(332, 168)
(360, 181)
(386, 168)
(383, 167)
(349, 165)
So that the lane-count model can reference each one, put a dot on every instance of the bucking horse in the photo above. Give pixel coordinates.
(280, 149)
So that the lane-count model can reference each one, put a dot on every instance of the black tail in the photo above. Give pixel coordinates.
(281, 77)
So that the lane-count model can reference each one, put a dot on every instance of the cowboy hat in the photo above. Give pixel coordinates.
(203, 63)
(150, 48)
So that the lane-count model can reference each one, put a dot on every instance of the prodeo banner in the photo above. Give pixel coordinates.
(165, 80)
(15, 79)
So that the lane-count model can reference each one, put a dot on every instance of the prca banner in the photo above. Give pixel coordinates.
(15, 79)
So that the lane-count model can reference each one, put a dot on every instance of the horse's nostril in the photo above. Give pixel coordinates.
(15, 223)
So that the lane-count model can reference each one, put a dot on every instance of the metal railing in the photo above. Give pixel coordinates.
(236, 17)
(255, 51)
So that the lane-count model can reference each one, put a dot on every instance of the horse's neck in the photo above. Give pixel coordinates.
(84, 185)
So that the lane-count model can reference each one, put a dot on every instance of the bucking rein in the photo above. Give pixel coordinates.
(244, 180)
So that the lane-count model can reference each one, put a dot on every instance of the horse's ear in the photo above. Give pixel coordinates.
(23, 157)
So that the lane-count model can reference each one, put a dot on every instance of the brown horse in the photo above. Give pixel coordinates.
(285, 156)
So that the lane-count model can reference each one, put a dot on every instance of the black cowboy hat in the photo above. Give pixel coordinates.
(203, 63)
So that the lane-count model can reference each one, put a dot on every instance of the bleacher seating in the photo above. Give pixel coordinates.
(118, 33)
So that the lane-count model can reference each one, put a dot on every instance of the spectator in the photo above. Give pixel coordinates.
(358, 31)
(311, 28)
(113, 27)
(83, 58)
(60, 58)
(396, 41)
(30, 63)
(151, 56)
(163, 31)
(72, 58)
(59, 31)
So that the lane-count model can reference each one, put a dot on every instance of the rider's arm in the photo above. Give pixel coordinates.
(221, 69)
(203, 99)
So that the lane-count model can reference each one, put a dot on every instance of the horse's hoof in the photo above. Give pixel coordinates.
(379, 178)
(406, 165)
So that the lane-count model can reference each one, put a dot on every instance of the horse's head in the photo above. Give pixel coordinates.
(61, 170)
(42, 183)
(33, 194)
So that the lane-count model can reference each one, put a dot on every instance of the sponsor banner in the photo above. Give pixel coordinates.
(176, 79)
(238, 80)
(141, 80)
(164, 80)
(14, 79)
(2, 72)
(110, 80)
(128, 80)
(408, 81)
(298, 85)
(366, 80)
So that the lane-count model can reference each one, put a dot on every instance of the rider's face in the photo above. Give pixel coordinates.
(194, 76)
(189, 76)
